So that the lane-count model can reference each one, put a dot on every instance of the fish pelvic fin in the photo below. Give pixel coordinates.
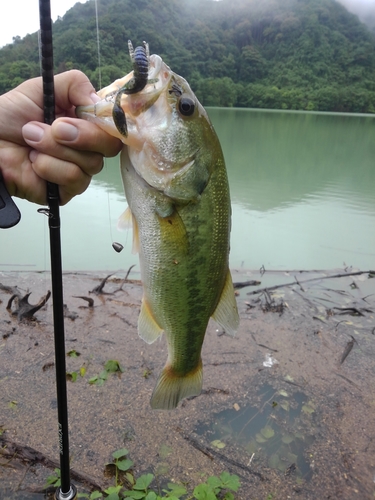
(226, 312)
(171, 388)
(128, 221)
(148, 328)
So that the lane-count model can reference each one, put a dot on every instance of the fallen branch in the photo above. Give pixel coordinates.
(342, 275)
(12, 450)
(210, 453)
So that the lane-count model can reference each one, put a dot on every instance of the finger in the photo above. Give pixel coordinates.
(86, 136)
(73, 88)
(19, 176)
(70, 178)
(40, 137)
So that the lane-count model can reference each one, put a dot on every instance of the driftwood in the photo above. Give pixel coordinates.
(100, 288)
(24, 308)
(348, 348)
(342, 275)
(12, 450)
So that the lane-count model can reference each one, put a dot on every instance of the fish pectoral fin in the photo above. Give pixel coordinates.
(128, 221)
(226, 313)
(171, 388)
(148, 329)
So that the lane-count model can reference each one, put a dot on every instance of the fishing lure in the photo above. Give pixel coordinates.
(140, 57)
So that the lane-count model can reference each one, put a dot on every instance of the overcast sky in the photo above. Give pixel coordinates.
(21, 17)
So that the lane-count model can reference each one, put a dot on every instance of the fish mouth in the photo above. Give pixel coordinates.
(101, 112)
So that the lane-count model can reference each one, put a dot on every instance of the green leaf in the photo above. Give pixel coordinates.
(113, 366)
(103, 375)
(120, 453)
(130, 477)
(218, 444)
(175, 490)
(73, 353)
(93, 380)
(204, 492)
(230, 481)
(113, 496)
(143, 482)
(124, 464)
(137, 495)
(228, 496)
(95, 494)
(307, 409)
(214, 482)
(267, 432)
(113, 489)
(151, 496)
(287, 438)
(285, 405)
(72, 376)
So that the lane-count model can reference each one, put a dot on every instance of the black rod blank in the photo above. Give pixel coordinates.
(66, 491)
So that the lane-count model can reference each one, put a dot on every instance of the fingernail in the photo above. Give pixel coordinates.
(65, 132)
(32, 132)
(95, 98)
(33, 155)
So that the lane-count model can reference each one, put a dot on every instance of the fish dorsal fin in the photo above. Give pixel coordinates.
(226, 313)
(128, 221)
(148, 329)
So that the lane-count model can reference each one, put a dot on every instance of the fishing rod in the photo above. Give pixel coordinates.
(66, 491)
(10, 216)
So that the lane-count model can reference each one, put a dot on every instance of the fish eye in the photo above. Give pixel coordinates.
(186, 106)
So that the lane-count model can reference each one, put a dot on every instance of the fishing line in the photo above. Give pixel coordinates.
(98, 43)
(116, 246)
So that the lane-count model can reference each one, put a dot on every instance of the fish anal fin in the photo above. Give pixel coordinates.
(171, 388)
(226, 312)
(148, 329)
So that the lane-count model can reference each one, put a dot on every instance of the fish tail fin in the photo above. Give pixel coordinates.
(171, 388)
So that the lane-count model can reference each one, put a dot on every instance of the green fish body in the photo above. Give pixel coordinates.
(176, 186)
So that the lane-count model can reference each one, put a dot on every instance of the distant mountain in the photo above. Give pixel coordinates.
(289, 54)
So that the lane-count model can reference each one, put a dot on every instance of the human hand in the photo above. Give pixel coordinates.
(68, 152)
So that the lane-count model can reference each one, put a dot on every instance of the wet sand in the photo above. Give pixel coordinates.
(325, 402)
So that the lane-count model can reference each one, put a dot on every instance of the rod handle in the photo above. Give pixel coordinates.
(9, 213)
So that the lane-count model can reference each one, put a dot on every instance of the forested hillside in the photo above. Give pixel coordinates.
(289, 54)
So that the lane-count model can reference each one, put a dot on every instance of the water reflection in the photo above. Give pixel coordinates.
(302, 187)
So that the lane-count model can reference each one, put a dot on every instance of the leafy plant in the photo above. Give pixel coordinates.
(214, 489)
(111, 366)
(54, 479)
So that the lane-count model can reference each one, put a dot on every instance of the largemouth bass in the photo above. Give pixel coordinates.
(177, 190)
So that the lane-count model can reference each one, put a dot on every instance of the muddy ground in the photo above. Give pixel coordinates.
(288, 404)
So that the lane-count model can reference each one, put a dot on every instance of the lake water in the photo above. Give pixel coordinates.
(303, 197)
